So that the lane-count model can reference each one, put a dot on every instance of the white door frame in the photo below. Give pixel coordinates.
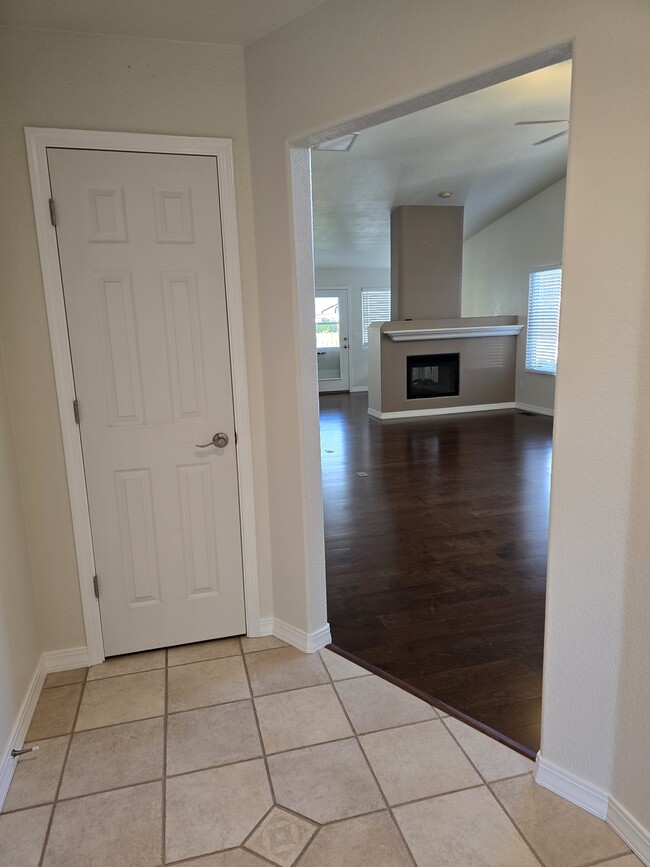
(38, 140)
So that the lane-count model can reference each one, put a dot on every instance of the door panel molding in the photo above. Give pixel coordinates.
(38, 140)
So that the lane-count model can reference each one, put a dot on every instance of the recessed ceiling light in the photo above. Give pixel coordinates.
(344, 143)
(445, 194)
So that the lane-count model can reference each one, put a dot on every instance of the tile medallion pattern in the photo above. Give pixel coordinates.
(246, 752)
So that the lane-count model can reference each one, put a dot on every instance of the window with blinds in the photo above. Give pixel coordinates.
(375, 307)
(544, 290)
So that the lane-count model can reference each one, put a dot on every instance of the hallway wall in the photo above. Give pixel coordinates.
(20, 646)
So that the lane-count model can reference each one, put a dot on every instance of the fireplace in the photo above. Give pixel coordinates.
(432, 375)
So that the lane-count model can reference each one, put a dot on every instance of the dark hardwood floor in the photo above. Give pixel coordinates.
(436, 560)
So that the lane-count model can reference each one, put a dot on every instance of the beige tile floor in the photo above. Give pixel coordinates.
(244, 753)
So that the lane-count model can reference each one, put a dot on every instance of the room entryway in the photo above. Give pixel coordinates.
(332, 341)
(139, 240)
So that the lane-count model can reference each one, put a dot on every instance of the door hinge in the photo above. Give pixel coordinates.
(75, 409)
(96, 586)
(52, 213)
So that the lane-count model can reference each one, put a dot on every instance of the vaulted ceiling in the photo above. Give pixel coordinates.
(469, 146)
(234, 22)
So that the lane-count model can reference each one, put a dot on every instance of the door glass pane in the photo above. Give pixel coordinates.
(328, 332)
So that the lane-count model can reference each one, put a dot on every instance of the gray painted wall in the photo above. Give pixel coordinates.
(426, 261)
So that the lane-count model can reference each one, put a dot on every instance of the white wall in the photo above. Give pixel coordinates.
(355, 279)
(600, 388)
(20, 646)
(82, 81)
(496, 264)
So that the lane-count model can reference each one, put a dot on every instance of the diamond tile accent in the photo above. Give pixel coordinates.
(281, 837)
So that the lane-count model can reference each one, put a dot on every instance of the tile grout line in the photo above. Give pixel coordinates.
(89, 795)
(486, 782)
(163, 842)
(259, 728)
(374, 776)
(611, 860)
(232, 849)
(168, 664)
(264, 756)
(223, 704)
(463, 751)
(59, 685)
(55, 800)
(516, 826)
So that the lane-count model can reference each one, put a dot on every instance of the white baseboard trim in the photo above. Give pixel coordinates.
(571, 788)
(632, 832)
(308, 642)
(266, 627)
(356, 388)
(440, 410)
(538, 410)
(62, 660)
(19, 732)
(54, 660)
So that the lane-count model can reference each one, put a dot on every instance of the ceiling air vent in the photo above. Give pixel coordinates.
(338, 144)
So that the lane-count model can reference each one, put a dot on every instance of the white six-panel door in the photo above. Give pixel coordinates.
(139, 239)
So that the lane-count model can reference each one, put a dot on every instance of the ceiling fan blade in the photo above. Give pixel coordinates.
(551, 137)
(527, 122)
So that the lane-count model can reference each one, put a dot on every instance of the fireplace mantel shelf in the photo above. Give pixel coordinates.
(453, 333)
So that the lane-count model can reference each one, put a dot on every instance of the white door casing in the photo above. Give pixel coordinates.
(333, 361)
(177, 301)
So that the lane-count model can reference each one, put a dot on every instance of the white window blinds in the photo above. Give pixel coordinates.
(544, 289)
(375, 307)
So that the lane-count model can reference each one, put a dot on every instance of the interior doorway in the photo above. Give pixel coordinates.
(341, 414)
(180, 285)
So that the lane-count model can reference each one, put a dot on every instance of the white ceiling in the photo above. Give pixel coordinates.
(469, 145)
(234, 22)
